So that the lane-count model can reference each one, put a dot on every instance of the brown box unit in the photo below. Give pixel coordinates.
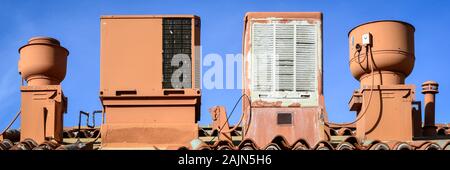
(283, 77)
(390, 114)
(42, 112)
(151, 95)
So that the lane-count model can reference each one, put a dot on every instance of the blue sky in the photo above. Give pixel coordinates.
(76, 24)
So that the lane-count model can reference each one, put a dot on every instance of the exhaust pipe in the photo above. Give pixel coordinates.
(429, 89)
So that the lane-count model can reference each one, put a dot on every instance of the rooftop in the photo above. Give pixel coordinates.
(341, 138)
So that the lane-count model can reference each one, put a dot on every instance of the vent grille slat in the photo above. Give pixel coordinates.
(306, 48)
(263, 52)
(284, 45)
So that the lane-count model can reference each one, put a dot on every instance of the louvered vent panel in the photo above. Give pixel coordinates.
(285, 58)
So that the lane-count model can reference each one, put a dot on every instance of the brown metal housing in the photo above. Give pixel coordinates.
(282, 76)
(381, 57)
(142, 109)
(391, 52)
(43, 65)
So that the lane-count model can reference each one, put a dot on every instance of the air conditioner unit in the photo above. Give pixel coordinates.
(285, 60)
(283, 75)
(150, 80)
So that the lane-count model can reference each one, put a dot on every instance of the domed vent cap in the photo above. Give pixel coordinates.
(430, 87)
(43, 40)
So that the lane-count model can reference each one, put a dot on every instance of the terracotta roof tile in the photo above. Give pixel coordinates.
(343, 139)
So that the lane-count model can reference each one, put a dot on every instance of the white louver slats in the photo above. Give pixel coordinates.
(285, 58)
(263, 52)
(284, 54)
(306, 53)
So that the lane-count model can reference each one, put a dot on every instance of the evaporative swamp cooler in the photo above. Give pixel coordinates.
(283, 77)
(149, 81)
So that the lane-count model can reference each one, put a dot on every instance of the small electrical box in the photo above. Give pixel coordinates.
(367, 39)
(284, 118)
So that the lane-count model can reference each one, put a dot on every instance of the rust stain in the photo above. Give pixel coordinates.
(261, 117)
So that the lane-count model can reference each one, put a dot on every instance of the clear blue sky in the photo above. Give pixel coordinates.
(76, 24)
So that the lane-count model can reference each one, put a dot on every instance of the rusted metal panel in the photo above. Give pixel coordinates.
(282, 73)
(264, 127)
